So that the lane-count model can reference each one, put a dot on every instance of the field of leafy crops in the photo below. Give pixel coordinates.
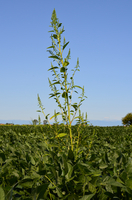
(36, 164)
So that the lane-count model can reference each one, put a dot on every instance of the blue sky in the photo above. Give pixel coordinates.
(100, 35)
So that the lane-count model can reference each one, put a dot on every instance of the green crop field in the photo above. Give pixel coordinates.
(61, 161)
(36, 164)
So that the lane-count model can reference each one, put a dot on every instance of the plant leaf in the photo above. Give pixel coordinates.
(65, 45)
(55, 115)
(87, 197)
(56, 57)
(2, 194)
(61, 135)
(64, 95)
(62, 69)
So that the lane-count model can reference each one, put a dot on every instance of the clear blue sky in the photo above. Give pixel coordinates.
(100, 34)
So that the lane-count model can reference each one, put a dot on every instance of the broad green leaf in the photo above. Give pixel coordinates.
(71, 197)
(61, 135)
(41, 190)
(2, 194)
(92, 188)
(59, 192)
(116, 184)
(70, 170)
(32, 160)
(87, 197)
(129, 183)
(27, 182)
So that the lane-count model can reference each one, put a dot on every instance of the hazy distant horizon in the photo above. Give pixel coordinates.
(93, 122)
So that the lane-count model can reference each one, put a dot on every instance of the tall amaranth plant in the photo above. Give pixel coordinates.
(60, 87)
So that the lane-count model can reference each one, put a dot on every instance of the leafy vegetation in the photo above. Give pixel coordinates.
(127, 120)
(68, 110)
(65, 162)
(36, 165)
